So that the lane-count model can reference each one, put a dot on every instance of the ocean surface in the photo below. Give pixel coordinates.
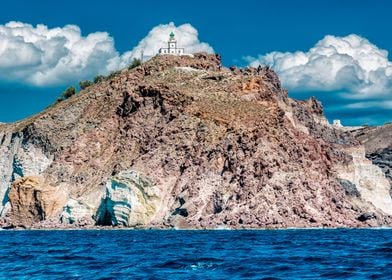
(220, 254)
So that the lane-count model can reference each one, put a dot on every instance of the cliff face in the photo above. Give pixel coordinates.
(378, 146)
(184, 142)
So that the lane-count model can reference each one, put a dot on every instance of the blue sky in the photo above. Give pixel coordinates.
(243, 32)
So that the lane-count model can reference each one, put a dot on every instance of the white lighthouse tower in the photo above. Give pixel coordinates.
(172, 47)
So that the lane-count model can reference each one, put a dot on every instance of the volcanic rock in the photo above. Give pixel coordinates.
(184, 142)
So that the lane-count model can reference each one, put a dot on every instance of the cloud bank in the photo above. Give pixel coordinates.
(354, 72)
(42, 56)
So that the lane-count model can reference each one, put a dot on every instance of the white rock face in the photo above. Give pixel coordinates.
(130, 200)
(187, 69)
(76, 211)
(369, 180)
(8, 148)
(18, 159)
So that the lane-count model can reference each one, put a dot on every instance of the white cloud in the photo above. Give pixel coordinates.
(351, 75)
(186, 35)
(351, 64)
(43, 56)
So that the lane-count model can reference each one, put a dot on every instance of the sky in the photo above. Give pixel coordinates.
(336, 50)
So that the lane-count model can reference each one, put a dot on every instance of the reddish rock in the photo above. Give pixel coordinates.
(226, 148)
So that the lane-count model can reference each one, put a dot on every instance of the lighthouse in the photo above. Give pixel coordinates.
(172, 47)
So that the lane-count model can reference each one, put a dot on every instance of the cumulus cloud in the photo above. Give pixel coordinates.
(186, 36)
(41, 56)
(350, 68)
(348, 63)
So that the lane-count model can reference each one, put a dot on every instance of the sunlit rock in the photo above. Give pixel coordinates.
(33, 200)
(130, 200)
(76, 212)
(19, 159)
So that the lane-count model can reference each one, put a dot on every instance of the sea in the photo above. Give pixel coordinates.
(202, 254)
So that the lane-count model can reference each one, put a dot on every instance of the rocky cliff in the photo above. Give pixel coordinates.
(378, 146)
(185, 142)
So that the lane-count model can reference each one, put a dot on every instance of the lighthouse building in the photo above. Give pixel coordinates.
(172, 47)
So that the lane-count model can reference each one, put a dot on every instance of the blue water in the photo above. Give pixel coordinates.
(169, 254)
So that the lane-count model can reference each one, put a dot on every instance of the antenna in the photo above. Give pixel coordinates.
(141, 56)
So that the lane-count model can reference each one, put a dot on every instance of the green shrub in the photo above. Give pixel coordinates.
(85, 84)
(98, 79)
(113, 74)
(135, 63)
(70, 91)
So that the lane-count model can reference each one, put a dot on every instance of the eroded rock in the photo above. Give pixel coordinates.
(19, 158)
(32, 201)
(350, 188)
(130, 200)
(77, 212)
(369, 180)
(223, 148)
